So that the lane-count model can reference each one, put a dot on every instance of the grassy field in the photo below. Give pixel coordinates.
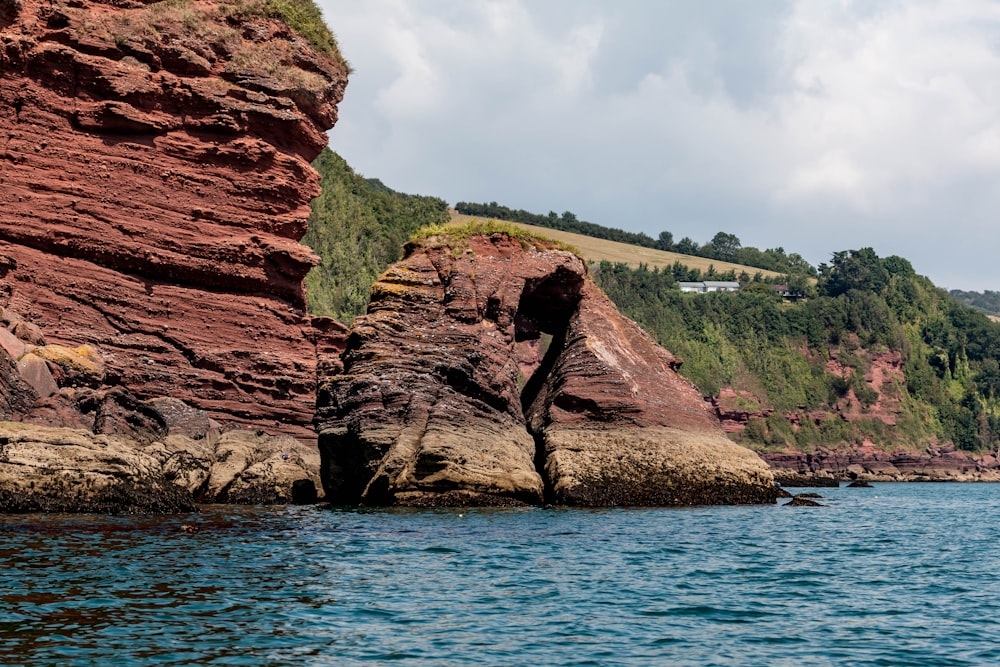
(599, 250)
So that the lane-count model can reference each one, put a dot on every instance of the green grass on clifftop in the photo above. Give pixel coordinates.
(302, 16)
(469, 228)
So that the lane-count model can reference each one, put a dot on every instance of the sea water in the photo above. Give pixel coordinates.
(898, 574)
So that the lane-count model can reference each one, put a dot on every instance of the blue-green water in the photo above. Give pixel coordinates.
(893, 575)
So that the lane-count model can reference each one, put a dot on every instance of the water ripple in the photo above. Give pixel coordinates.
(901, 576)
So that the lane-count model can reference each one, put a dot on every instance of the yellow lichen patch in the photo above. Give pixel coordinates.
(404, 276)
(384, 289)
(83, 359)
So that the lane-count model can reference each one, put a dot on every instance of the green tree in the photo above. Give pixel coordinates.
(358, 227)
(687, 246)
(724, 246)
(853, 269)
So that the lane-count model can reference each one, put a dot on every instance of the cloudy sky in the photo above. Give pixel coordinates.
(808, 124)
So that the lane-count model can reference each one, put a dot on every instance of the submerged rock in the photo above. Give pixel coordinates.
(802, 501)
(434, 405)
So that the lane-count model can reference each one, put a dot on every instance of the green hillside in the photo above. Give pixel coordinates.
(987, 302)
(358, 227)
(880, 354)
(877, 353)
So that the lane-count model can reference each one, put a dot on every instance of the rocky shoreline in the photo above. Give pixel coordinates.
(70, 442)
(155, 351)
(829, 467)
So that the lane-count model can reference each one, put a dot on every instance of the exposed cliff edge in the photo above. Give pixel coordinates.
(433, 406)
(155, 181)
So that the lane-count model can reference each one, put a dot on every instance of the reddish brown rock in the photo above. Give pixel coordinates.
(735, 409)
(155, 182)
(36, 373)
(620, 426)
(11, 344)
(68, 408)
(884, 376)
(83, 449)
(429, 408)
(825, 466)
(16, 396)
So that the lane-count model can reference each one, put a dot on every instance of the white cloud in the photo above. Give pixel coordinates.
(812, 125)
(900, 98)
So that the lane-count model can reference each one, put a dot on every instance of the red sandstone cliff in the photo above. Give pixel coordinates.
(430, 409)
(154, 184)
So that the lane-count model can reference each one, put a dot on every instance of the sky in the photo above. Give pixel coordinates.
(812, 125)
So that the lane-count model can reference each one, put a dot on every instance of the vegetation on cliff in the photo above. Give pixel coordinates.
(358, 227)
(302, 16)
(201, 32)
(876, 353)
(805, 373)
(463, 231)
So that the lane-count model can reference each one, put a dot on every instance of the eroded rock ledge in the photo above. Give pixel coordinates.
(71, 443)
(155, 181)
(491, 371)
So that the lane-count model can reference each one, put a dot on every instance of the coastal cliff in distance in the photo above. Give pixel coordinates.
(489, 370)
(155, 182)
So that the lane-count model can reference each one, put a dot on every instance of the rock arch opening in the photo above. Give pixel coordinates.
(540, 327)
(540, 324)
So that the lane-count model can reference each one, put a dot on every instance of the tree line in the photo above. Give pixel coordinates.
(723, 246)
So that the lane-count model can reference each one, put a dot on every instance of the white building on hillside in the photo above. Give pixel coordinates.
(710, 286)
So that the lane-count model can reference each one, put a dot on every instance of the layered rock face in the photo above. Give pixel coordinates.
(154, 182)
(619, 425)
(70, 443)
(829, 467)
(433, 406)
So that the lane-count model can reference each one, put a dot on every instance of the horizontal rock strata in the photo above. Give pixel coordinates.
(937, 464)
(434, 405)
(155, 181)
(70, 443)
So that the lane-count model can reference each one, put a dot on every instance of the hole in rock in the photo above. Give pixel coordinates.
(540, 327)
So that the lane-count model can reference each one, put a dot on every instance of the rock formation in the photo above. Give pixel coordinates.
(432, 406)
(155, 181)
(864, 462)
(70, 443)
